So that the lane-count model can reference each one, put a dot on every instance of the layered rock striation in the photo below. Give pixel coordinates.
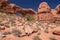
(45, 13)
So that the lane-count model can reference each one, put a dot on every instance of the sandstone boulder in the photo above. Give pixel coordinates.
(43, 7)
(28, 30)
(2, 28)
(56, 32)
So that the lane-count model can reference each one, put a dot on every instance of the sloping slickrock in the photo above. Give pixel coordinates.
(56, 31)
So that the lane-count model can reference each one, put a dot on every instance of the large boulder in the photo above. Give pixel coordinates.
(56, 32)
(44, 7)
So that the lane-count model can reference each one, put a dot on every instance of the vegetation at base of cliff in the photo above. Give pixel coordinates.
(36, 38)
(2, 11)
(30, 18)
(16, 32)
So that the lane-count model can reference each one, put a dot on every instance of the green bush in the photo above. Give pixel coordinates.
(29, 17)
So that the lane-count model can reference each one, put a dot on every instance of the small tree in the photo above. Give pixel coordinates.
(29, 17)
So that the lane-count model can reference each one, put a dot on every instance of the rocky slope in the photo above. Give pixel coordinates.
(46, 25)
(14, 27)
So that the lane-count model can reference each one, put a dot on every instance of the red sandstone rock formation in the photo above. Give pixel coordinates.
(3, 3)
(26, 11)
(46, 17)
(56, 12)
(58, 8)
(12, 8)
(44, 13)
(44, 7)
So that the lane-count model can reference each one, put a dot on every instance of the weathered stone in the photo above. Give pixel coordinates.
(43, 7)
(2, 28)
(56, 32)
(28, 30)
(46, 17)
(58, 8)
(56, 13)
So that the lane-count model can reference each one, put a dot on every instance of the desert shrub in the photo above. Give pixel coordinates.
(46, 30)
(2, 11)
(36, 38)
(12, 22)
(16, 32)
(57, 22)
(52, 38)
(6, 25)
(1, 24)
(29, 17)
(38, 33)
(2, 35)
(7, 33)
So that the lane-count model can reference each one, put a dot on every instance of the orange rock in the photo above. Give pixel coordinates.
(2, 28)
(46, 17)
(56, 32)
(58, 7)
(43, 7)
(56, 13)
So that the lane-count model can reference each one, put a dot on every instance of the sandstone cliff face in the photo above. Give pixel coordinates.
(12, 8)
(44, 7)
(58, 7)
(56, 13)
(46, 17)
(45, 13)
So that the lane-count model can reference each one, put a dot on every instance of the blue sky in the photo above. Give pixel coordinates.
(34, 3)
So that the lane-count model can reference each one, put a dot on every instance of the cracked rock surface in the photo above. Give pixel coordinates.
(14, 27)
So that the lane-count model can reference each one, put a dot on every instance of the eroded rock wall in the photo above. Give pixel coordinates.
(45, 13)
